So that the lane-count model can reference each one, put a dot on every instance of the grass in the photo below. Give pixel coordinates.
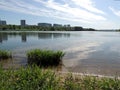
(30, 78)
(45, 57)
(34, 78)
(91, 83)
(5, 54)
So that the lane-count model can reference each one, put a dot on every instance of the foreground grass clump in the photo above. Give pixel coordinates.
(5, 54)
(34, 78)
(45, 57)
(30, 78)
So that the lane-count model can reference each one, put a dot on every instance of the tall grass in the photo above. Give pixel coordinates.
(30, 78)
(45, 57)
(34, 78)
(5, 54)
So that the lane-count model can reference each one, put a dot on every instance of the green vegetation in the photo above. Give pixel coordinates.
(45, 57)
(30, 78)
(43, 28)
(91, 83)
(77, 28)
(34, 78)
(5, 54)
(34, 28)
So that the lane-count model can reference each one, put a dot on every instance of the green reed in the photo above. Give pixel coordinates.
(35, 78)
(45, 57)
(5, 54)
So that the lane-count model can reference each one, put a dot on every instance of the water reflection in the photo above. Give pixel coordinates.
(24, 35)
(44, 35)
(3, 37)
(79, 52)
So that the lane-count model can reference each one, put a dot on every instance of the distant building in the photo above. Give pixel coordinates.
(68, 25)
(0, 22)
(57, 25)
(3, 22)
(45, 24)
(23, 23)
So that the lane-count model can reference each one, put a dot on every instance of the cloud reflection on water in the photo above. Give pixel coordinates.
(75, 54)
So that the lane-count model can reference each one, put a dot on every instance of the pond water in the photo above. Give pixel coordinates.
(91, 52)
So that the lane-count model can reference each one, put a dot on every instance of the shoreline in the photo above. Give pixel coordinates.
(30, 30)
(15, 64)
(84, 74)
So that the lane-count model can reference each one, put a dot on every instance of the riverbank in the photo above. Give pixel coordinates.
(31, 78)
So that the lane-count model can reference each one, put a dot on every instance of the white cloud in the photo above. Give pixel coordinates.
(22, 7)
(73, 13)
(88, 5)
(107, 25)
(50, 8)
(116, 12)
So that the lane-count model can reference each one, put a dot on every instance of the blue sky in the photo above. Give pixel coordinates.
(98, 14)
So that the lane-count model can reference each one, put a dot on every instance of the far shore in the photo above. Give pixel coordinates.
(58, 31)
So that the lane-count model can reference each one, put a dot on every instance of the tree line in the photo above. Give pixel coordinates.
(43, 28)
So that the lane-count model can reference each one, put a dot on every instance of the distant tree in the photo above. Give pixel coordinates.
(14, 27)
(89, 29)
(78, 28)
(4, 28)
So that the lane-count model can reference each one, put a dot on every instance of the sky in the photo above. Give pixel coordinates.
(97, 14)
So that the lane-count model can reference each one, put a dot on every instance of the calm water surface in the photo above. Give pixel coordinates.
(86, 52)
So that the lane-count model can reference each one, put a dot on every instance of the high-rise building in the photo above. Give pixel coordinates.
(23, 23)
(3, 22)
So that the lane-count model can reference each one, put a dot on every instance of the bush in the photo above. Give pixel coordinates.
(45, 57)
(5, 54)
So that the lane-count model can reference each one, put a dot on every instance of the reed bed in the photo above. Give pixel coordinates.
(5, 54)
(45, 57)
